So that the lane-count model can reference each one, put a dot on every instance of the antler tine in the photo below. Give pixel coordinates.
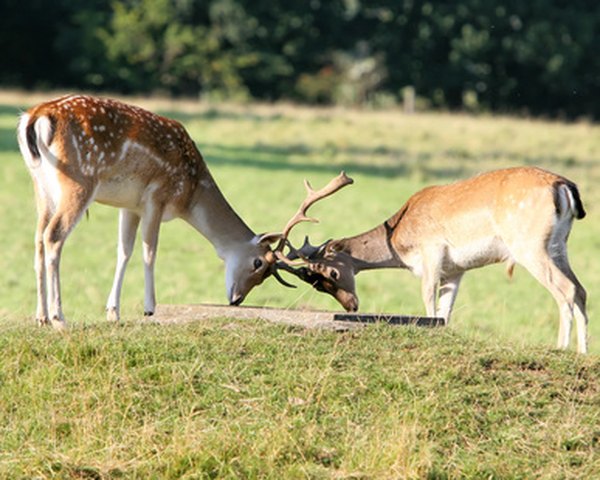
(312, 196)
(292, 258)
(306, 251)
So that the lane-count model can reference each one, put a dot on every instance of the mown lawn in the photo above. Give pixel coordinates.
(487, 397)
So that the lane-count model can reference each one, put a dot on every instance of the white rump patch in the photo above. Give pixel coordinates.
(43, 130)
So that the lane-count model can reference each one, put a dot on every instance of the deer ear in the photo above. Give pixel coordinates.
(268, 238)
(332, 247)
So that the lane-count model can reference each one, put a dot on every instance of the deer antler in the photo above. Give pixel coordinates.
(300, 216)
(312, 197)
(304, 253)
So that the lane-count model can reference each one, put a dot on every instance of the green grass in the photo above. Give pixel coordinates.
(227, 399)
(259, 156)
(486, 398)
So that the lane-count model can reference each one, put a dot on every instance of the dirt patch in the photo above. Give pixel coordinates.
(298, 318)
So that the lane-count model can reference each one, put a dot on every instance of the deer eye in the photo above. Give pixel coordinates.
(335, 275)
(257, 263)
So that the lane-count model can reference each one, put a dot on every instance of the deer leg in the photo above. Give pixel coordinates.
(578, 302)
(44, 215)
(41, 312)
(567, 295)
(432, 259)
(74, 201)
(447, 295)
(429, 284)
(150, 228)
(581, 318)
(128, 224)
(428, 294)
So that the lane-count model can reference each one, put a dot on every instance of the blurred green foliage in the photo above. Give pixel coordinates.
(538, 57)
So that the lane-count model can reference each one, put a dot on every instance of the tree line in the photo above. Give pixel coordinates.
(536, 56)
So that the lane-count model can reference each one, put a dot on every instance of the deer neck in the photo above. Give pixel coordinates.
(213, 217)
(375, 248)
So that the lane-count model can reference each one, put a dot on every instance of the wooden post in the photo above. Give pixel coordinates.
(408, 97)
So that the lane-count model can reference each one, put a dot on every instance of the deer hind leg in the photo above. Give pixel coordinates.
(576, 299)
(581, 317)
(568, 293)
(44, 215)
(128, 224)
(74, 200)
(447, 295)
(577, 306)
(580, 314)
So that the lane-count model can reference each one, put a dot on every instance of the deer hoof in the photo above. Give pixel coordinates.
(112, 314)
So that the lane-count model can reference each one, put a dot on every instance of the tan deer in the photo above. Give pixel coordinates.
(517, 215)
(81, 149)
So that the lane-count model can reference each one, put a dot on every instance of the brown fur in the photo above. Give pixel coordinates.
(82, 149)
(517, 215)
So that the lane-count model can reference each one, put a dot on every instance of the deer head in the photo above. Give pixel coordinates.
(326, 269)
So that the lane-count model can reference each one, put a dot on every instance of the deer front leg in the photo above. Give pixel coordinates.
(150, 228)
(429, 284)
(128, 224)
(447, 295)
(431, 258)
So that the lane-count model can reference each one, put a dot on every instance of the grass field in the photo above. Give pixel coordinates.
(249, 400)
(488, 398)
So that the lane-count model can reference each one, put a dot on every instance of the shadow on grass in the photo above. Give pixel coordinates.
(381, 161)
(8, 139)
(218, 114)
(11, 110)
(8, 136)
(297, 158)
(350, 167)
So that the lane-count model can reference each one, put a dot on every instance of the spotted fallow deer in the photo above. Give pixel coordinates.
(516, 215)
(81, 149)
